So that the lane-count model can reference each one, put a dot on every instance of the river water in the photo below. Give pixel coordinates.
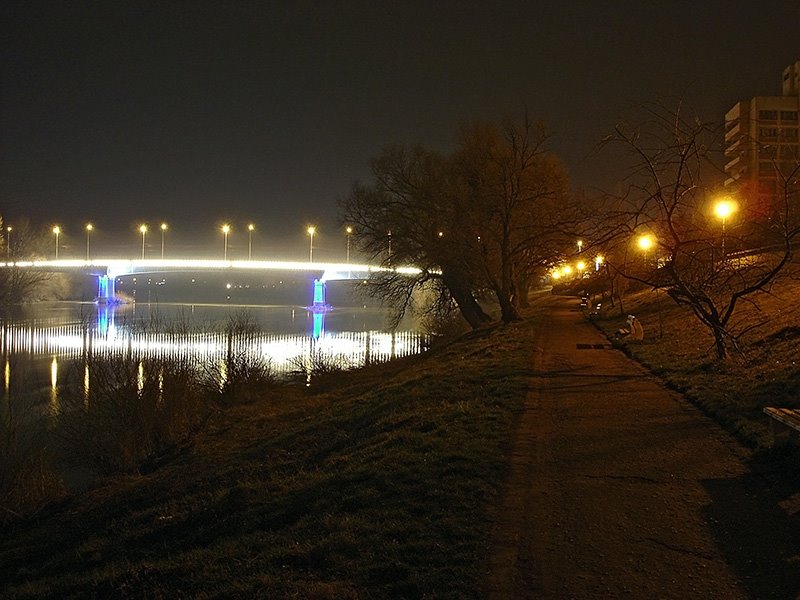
(44, 342)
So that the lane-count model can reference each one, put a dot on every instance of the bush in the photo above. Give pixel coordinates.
(130, 413)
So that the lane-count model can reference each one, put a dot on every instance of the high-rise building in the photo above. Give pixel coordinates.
(762, 147)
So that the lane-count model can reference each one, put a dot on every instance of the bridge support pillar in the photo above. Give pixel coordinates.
(319, 294)
(106, 289)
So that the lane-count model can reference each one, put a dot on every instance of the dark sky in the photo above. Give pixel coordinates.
(201, 112)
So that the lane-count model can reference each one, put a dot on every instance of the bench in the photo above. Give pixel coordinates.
(784, 423)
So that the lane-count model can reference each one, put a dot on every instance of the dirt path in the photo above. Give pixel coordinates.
(620, 488)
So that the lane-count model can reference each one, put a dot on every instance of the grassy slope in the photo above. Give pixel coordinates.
(377, 489)
(734, 392)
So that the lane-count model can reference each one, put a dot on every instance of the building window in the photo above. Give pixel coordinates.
(768, 115)
(790, 134)
(768, 132)
(789, 115)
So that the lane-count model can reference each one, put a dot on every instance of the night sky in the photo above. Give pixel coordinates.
(198, 112)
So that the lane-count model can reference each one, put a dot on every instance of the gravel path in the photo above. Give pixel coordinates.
(620, 488)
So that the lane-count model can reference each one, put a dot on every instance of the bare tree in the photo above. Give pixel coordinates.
(514, 195)
(406, 217)
(20, 284)
(702, 262)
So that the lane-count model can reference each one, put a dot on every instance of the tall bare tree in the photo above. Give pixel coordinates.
(702, 262)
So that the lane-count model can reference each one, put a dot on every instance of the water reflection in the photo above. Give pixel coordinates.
(102, 335)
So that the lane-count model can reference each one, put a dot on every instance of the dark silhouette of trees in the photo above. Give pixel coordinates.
(483, 221)
(18, 285)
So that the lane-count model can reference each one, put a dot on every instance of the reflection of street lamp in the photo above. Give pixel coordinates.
(349, 232)
(723, 209)
(163, 231)
(311, 230)
(57, 232)
(226, 229)
(250, 229)
(89, 228)
(143, 231)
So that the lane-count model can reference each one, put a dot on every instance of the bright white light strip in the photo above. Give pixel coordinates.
(122, 267)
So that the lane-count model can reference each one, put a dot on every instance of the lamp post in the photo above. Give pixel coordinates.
(163, 231)
(723, 209)
(580, 246)
(8, 239)
(89, 228)
(57, 232)
(598, 260)
(349, 232)
(645, 243)
(311, 231)
(143, 231)
(226, 229)
(389, 248)
(250, 229)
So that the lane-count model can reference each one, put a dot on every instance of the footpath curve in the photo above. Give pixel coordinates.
(619, 487)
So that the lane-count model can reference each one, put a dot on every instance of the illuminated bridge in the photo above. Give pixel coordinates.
(108, 270)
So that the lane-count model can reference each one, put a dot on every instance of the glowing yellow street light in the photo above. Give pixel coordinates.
(723, 209)
(143, 231)
(226, 229)
(57, 232)
(311, 231)
(598, 260)
(566, 270)
(580, 266)
(250, 229)
(580, 246)
(556, 274)
(163, 231)
(89, 228)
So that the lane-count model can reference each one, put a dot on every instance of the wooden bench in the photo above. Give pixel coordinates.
(784, 424)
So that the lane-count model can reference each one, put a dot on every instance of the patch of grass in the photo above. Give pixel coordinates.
(374, 488)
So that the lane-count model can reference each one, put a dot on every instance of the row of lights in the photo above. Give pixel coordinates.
(723, 209)
(225, 229)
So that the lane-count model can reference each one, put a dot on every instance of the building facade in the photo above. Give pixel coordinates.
(762, 147)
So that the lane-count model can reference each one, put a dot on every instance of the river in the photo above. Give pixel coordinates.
(43, 342)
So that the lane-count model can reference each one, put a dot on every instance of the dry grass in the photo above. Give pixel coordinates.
(375, 489)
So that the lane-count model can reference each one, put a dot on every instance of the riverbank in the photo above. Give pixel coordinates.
(376, 483)
(376, 487)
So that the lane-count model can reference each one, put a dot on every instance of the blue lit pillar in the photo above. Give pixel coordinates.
(319, 294)
(106, 289)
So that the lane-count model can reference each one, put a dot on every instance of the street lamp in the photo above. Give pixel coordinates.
(723, 209)
(163, 231)
(143, 231)
(580, 246)
(89, 228)
(311, 231)
(598, 260)
(8, 239)
(250, 229)
(645, 242)
(57, 232)
(349, 232)
(226, 229)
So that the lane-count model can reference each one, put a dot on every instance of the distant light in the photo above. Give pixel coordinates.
(251, 227)
(163, 227)
(226, 229)
(349, 230)
(142, 229)
(89, 227)
(581, 265)
(311, 230)
(56, 229)
(567, 270)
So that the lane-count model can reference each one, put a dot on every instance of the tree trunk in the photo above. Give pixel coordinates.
(467, 304)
